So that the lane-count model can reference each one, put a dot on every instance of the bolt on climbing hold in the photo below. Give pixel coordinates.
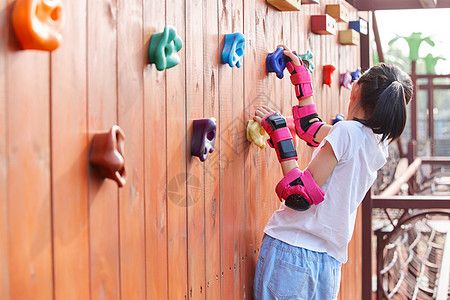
(256, 134)
(107, 154)
(203, 137)
(356, 74)
(346, 80)
(338, 118)
(328, 74)
(233, 49)
(307, 58)
(38, 23)
(275, 62)
(164, 47)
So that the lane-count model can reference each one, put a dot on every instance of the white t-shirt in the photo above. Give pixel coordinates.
(328, 227)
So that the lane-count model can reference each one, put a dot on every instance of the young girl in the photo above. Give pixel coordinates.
(306, 239)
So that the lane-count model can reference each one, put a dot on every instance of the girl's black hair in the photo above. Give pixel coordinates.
(385, 92)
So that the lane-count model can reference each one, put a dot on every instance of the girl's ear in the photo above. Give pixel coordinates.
(355, 92)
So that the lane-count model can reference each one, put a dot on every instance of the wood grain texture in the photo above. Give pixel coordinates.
(155, 160)
(4, 257)
(102, 114)
(236, 165)
(231, 150)
(69, 150)
(130, 66)
(176, 161)
(211, 108)
(195, 169)
(226, 154)
(266, 163)
(28, 152)
(252, 153)
(180, 228)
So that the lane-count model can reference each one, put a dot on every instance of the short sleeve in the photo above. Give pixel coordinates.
(339, 139)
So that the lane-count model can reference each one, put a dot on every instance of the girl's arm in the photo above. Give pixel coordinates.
(322, 164)
(320, 167)
(299, 189)
(325, 129)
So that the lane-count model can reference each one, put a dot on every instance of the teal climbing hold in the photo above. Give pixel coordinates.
(164, 47)
(307, 57)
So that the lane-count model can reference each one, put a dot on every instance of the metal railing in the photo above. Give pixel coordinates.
(426, 204)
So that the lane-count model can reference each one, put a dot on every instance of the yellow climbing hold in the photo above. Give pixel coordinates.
(256, 134)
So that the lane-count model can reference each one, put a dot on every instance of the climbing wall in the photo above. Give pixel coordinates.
(179, 228)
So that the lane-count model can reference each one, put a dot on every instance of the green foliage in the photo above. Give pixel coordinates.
(430, 63)
(414, 41)
(395, 55)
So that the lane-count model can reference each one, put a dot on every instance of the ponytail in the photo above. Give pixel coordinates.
(385, 92)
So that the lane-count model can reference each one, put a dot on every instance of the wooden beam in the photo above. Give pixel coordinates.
(435, 87)
(365, 48)
(394, 188)
(406, 202)
(367, 205)
(398, 4)
(376, 34)
(436, 160)
(432, 76)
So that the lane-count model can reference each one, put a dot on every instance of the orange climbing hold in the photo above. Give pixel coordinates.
(37, 23)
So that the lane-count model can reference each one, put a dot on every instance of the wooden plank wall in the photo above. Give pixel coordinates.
(180, 228)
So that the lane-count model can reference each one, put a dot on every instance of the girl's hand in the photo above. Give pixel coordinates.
(262, 112)
(288, 52)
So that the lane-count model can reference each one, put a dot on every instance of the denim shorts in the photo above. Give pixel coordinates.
(287, 272)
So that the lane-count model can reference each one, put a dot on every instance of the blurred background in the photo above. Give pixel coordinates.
(395, 27)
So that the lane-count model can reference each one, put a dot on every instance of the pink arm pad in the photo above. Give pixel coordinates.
(279, 135)
(266, 125)
(306, 110)
(303, 91)
(301, 79)
(302, 75)
(310, 190)
(300, 112)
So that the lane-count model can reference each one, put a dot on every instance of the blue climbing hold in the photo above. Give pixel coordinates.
(233, 49)
(275, 62)
(339, 117)
(356, 74)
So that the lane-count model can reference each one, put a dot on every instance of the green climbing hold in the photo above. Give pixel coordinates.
(164, 47)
